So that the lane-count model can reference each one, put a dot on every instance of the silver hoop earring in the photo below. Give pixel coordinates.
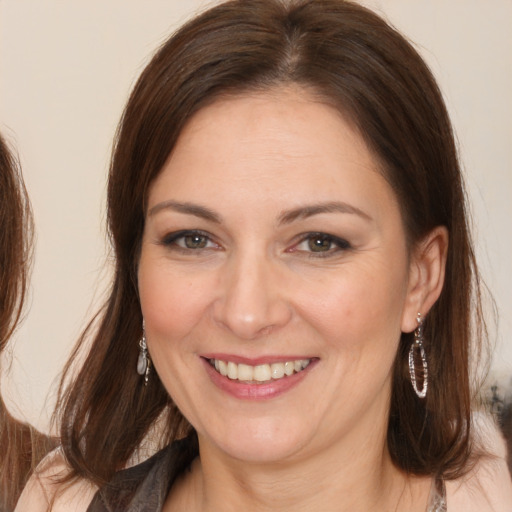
(144, 362)
(418, 345)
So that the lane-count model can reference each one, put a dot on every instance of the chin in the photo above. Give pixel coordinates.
(259, 442)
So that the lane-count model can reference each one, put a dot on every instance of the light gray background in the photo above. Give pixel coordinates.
(65, 72)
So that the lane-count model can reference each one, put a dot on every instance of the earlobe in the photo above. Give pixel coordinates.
(426, 276)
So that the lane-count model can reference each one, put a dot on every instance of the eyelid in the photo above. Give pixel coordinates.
(340, 244)
(169, 240)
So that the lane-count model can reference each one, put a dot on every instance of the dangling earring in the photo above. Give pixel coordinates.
(144, 362)
(418, 344)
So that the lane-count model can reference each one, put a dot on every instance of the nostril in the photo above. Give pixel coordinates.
(266, 330)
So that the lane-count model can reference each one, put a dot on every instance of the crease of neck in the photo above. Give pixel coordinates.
(357, 479)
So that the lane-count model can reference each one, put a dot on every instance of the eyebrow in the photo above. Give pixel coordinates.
(304, 212)
(286, 217)
(187, 208)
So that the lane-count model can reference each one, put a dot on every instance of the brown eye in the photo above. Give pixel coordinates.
(195, 241)
(320, 243)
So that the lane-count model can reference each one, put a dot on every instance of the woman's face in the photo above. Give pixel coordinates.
(274, 250)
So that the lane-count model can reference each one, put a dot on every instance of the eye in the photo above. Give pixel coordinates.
(321, 244)
(189, 240)
(195, 241)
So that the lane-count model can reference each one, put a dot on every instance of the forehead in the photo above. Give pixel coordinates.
(273, 147)
(283, 119)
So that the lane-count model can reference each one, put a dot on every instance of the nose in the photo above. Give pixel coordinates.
(252, 300)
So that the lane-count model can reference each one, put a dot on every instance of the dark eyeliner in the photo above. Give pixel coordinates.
(340, 244)
(170, 238)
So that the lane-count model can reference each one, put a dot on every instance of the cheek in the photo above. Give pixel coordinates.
(172, 303)
(356, 309)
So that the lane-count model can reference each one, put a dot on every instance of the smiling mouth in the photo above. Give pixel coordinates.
(261, 373)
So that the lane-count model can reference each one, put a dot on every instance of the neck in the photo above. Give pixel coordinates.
(338, 470)
(299, 485)
(348, 476)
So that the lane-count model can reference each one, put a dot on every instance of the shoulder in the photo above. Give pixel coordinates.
(45, 490)
(488, 486)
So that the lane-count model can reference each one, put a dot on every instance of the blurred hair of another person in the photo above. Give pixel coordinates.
(21, 446)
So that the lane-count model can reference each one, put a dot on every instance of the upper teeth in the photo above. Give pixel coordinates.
(259, 373)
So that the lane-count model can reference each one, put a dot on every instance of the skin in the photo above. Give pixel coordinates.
(251, 286)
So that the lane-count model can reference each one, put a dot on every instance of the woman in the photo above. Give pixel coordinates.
(21, 446)
(294, 282)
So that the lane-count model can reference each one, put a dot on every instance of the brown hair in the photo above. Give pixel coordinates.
(21, 445)
(363, 67)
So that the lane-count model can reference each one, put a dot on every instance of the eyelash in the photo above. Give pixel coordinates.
(339, 244)
(171, 240)
(336, 244)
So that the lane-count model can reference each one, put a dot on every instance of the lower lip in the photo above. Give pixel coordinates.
(265, 391)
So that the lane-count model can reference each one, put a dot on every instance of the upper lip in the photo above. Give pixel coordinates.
(255, 361)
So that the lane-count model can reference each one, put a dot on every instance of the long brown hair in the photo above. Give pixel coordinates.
(360, 65)
(21, 446)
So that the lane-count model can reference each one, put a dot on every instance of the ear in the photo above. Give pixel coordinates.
(426, 276)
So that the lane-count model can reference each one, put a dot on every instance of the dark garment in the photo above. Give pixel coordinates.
(144, 488)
